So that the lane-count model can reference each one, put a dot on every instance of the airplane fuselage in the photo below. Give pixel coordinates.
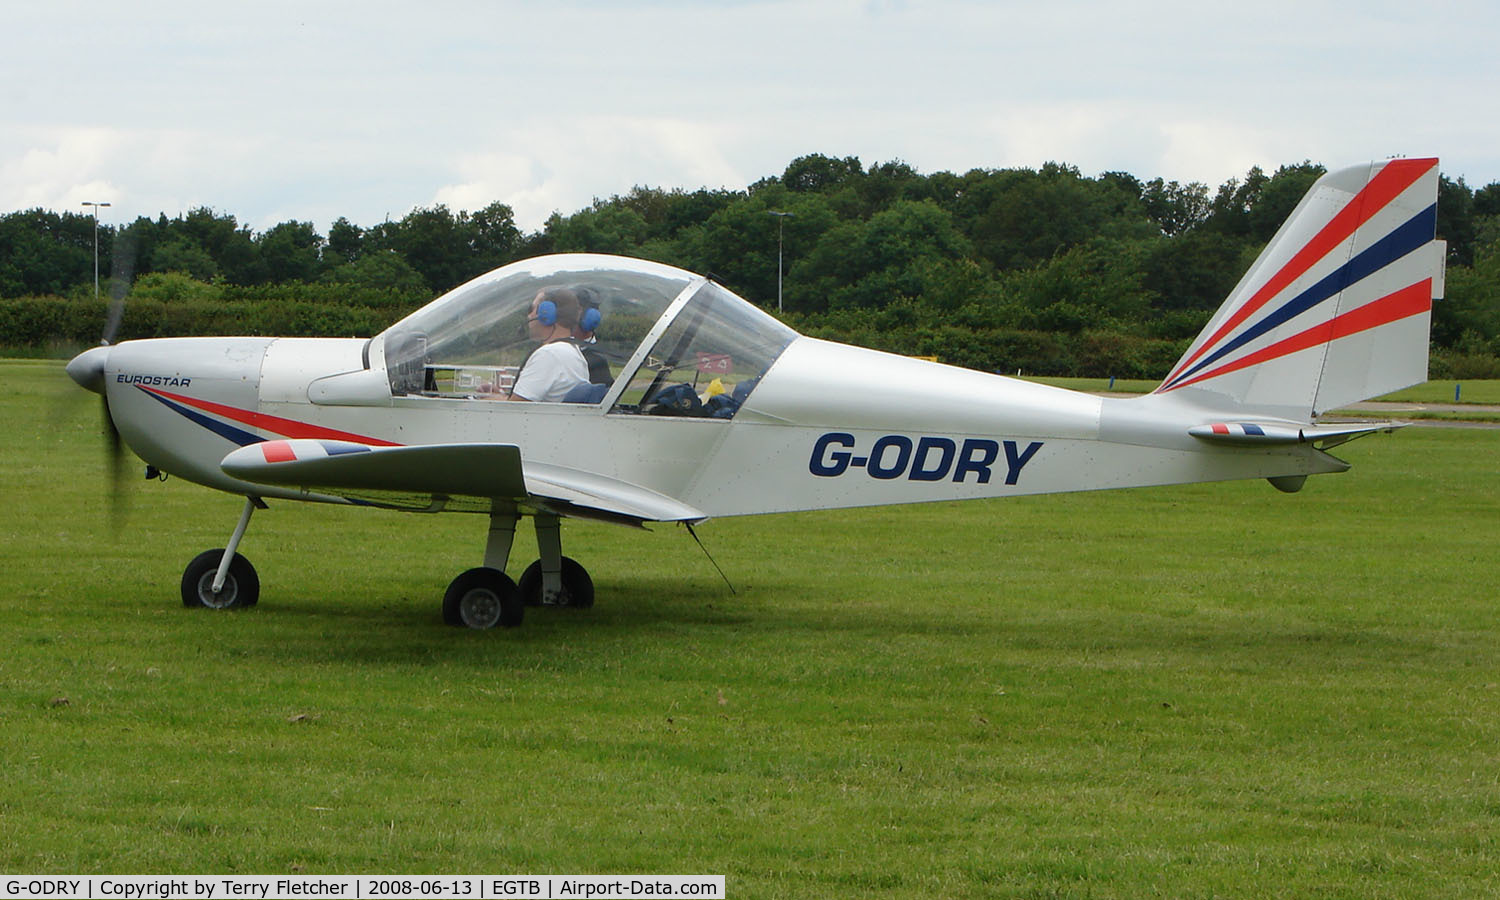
(828, 426)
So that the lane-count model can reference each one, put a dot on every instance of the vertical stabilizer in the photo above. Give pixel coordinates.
(1337, 307)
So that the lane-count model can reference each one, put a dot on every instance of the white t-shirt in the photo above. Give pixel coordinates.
(552, 371)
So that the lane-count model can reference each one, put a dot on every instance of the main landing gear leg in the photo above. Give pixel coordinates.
(486, 597)
(554, 580)
(223, 579)
(497, 545)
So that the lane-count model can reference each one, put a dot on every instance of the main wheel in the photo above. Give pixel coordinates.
(241, 584)
(577, 586)
(482, 598)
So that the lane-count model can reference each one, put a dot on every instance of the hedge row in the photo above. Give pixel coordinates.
(1451, 364)
(1005, 350)
(39, 321)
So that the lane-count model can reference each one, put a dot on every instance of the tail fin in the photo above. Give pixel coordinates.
(1337, 307)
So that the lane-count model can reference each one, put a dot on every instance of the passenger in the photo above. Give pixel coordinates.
(588, 314)
(557, 366)
(588, 320)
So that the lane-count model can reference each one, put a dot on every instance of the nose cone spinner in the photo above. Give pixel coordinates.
(87, 368)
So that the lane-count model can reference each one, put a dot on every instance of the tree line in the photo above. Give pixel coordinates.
(1043, 269)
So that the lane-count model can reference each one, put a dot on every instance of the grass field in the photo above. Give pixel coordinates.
(1214, 690)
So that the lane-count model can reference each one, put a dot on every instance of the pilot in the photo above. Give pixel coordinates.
(557, 366)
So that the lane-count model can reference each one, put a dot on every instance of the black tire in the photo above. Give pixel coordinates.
(241, 584)
(577, 586)
(482, 598)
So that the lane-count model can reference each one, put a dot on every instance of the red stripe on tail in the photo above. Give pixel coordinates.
(1409, 301)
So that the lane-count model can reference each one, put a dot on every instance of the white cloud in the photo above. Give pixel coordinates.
(138, 171)
(1213, 152)
(564, 165)
(520, 180)
(60, 169)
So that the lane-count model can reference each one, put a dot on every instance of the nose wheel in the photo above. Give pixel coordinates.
(223, 579)
(240, 587)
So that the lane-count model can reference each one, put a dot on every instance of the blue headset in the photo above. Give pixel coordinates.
(546, 313)
(591, 319)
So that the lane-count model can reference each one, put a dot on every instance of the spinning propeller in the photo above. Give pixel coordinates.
(88, 368)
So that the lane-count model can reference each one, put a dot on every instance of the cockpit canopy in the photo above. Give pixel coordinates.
(674, 343)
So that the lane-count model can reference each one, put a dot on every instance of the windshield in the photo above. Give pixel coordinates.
(472, 341)
(707, 360)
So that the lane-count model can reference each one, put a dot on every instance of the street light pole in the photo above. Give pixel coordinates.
(780, 221)
(96, 243)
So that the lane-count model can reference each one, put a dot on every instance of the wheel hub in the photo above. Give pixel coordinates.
(480, 608)
(224, 598)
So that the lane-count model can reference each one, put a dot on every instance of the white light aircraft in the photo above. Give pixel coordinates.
(710, 407)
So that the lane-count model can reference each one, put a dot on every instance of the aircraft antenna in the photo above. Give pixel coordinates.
(710, 558)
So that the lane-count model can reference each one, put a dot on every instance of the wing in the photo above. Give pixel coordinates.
(453, 477)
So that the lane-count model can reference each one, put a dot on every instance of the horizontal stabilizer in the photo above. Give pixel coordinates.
(485, 472)
(1267, 434)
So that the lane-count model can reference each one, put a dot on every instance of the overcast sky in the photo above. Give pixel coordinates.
(275, 111)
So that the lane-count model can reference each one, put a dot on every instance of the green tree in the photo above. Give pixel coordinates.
(290, 251)
(1487, 200)
(606, 227)
(1194, 270)
(1455, 220)
(428, 240)
(447, 249)
(42, 252)
(344, 239)
(1278, 196)
(1095, 285)
(180, 253)
(230, 246)
(816, 173)
(738, 244)
(898, 250)
(1176, 207)
(822, 276)
(1018, 218)
(689, 209)
(492, 237)
(1253, 209)
(887, 182)
(1470, 313)
(384, 270)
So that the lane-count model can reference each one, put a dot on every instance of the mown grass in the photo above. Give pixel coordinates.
(1416, 415)
(1479, 391)
(1098, 385)
(1213, 690)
